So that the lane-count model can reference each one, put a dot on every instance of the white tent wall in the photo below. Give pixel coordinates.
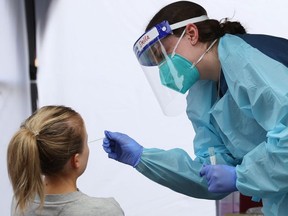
(14, 85)
(86, 62)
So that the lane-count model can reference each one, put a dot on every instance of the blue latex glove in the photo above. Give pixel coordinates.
(122, 148)
(220, 178)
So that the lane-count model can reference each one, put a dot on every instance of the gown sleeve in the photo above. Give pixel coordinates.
(176, 170)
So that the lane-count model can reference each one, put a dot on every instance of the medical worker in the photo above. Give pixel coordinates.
(237, 101)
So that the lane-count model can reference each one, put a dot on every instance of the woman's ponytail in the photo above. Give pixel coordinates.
(228, 27)
(24, 168)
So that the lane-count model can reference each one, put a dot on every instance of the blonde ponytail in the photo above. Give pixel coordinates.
(24, 168)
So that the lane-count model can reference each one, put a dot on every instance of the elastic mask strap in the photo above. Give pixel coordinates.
(201, 57)
(173, 52)
(163, 51)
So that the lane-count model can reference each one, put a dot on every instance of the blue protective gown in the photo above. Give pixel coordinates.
(247, 126)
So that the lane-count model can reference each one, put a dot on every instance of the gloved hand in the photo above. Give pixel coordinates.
(122, 148)
(220, 178)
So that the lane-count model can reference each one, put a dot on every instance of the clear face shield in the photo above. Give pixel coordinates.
(169, 74)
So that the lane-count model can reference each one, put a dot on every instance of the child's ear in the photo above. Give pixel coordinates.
(75, 161)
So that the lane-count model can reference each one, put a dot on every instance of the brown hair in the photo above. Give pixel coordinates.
(42, 146)
(209, 30)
